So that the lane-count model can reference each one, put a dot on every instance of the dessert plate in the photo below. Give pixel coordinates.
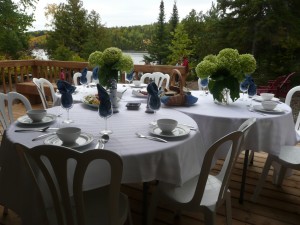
(140, 94)
(274, 111)
(141, 86)
(179, 131)
(82, 140)
(47, 119)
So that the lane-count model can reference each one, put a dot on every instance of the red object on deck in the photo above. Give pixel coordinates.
(280, 87)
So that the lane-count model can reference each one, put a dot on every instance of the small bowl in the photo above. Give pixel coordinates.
(167, 125)
(137, 83)
(266, 96)
(36, 114)
(68, 135)
(269, 105)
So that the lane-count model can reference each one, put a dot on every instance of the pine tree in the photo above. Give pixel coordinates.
(158, 48)
(174, 20)
(180, 45)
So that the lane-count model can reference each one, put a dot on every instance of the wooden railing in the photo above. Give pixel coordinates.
(18, 71)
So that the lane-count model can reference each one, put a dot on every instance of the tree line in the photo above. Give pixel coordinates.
(267, 29)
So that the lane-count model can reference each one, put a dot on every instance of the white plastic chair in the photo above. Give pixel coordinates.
(6, 117)
(288, 100)
(157, 77)
(205, 192)
(40, 84)
(76, 75)
(71, 205)
(289, 157)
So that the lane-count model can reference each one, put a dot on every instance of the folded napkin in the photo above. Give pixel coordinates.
(129, 76)
(154, 101)
(83, 79)
(95, 73)
(105, 108)
(65, 87)
(66, 90)
(249, 82)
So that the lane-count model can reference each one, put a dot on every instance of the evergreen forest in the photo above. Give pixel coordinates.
(268, 29)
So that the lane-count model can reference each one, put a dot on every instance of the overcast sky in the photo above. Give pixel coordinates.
(126, 12)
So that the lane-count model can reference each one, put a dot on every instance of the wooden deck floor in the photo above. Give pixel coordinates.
(275, 206)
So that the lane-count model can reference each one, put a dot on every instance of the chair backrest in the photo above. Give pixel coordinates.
(52, 163)
(37, 83)
(245, 126)
(40, 84)
(9, 98)
(288, 100)
(157, 77)
(76, 75)
(236, 141)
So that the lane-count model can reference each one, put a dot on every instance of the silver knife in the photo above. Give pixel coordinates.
(43, 136)
(156, 139)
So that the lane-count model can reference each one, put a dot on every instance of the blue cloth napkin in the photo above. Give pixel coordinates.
(154, 101)
(129, 76)
(95, 73)
(105, 108)
(249, 82)
(83, 79)
(65, 87)
(66, 90)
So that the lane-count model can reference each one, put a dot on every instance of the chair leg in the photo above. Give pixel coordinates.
(262, 178)
(228, 209)
(209, 217)
(281, 175)
(251, 157)
(145, 202)
(244, 174)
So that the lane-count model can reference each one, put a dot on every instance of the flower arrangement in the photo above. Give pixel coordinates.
(225, 71)
(110, 62)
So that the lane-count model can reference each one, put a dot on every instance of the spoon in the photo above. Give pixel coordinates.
(104, 139)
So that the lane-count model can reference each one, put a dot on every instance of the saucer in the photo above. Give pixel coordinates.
(82, 140)
(259, 99)
(140, 86)
(47, 119)
(179, 131)
(261, 109)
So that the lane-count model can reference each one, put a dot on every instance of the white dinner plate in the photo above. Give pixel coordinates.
(259, 99)
(141, 86)
(138, 94)
(82, 140)
(179, 131)
(261, 109)
(47, 119)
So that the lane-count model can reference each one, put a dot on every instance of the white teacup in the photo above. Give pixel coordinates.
(167, 125)
(269, 105)
(36, 114)
(137, 83)
(68, 135)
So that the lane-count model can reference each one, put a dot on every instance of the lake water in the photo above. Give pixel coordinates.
(137, 57)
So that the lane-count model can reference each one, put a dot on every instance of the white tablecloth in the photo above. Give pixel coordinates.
(214, 121)
(144, 160)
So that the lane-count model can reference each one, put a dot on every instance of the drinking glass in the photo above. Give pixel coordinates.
(105, 111)
(67, 104)
(204, 84)
(251, 93)
(153, 107)
(244, 89)
(83, 81)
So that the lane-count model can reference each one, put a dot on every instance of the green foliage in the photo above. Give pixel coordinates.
(180, 45)
(158, 47)
(225, 70)
(14, 22)
(111, 61)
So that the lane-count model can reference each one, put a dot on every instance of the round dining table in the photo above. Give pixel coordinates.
(144, 160)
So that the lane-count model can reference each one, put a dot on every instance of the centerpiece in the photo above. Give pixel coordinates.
(111, 62)
(224, 72)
